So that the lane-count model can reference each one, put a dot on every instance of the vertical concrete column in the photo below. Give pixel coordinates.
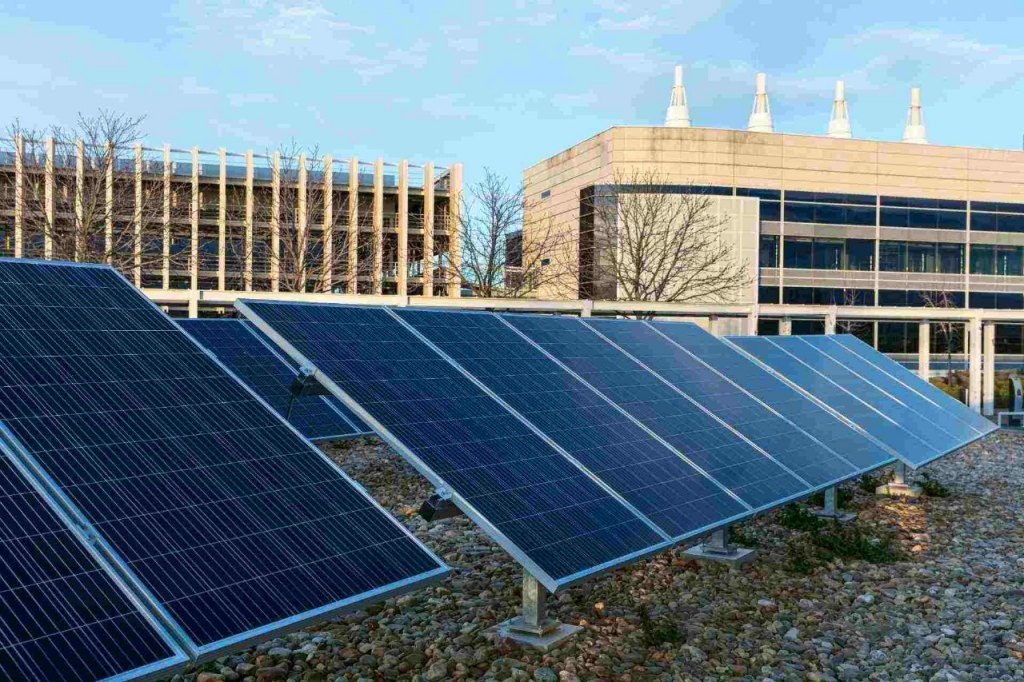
(974, 366)
(587, 309)
(714, 325)
(327, 228)
(109, 232)
(19, 194)
(165, 268)
(378, 225)
(137, 218)
(830, 321)
(785, 326)
(250, 200)
(353, 225)
(455, 231)
(49, 209)
(193, 303)
(403, 227)
(752, 321)
(428, 229)
(79, 199)
(988, 398)
(275, 224)
(924, 350)
(194, 216)
(302, 224)
(222, 221)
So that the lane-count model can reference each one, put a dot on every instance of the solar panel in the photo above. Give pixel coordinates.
(62, 614)
(882, 427)
(939, 441)
(680, 421)
(838, 436)
(814, 464)
(551, 514)
(653, 478)
(243, 350)
(926, 389)
(234, 525)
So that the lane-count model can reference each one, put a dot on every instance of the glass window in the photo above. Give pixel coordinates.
(892, 337)
(892, 256)
(860, 254)
(983, 259)
(828, 254)
(983, 299)
(983, 222)
(920, 257)
(769, 253)
(857, 215)
(893, 217)
(797, 252)
(830, 214)
(892, 297)
(1011, 223)
(799, 213)
(1008, 260)
(808, 327)
(951, 258)
(951, 220)
(1010, 301)
(925, 219)
(1009, 339)
(767, 327)
(762, 193)
(767, 294)
(770, 211)
(798, 295)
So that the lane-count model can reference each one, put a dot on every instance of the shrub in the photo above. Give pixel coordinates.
(849, 541)
(797, 517)
(932, 488)
(843, 498)
(738, 535)
(868, 483)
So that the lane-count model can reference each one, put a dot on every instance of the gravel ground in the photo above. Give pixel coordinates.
(951, 608)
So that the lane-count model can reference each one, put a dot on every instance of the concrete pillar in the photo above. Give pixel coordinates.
(924, 350)
(353, 226)
(302, 224)
(165, 268)
(249, 210)
(830, 321)
(588, 308)
(988, 399)
(19, 194)
(79, 199)
(49, 209)
(785, 326)
(974, 373)
(275, 224)
(137, 218)
(378, 226)
(222, 221)
(109, 231)
(327, 228)
(752, 321)
(455, 231)
(194, 217)
(193, 304)
(714, 325)
(428, 229)
(403, 227)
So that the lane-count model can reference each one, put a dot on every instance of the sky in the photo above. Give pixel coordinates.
(504, 84)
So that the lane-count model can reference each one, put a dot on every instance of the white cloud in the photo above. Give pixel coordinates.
(464, 44)
(641, 23)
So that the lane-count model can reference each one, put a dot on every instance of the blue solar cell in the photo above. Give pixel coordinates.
(878, 424)
(938, 440)
(681, 422)
(240, 346)
(236, 525)
(787, 444)
(934, 394)
(647, 474)
(852, 446)
(547, 512)
(62, 615)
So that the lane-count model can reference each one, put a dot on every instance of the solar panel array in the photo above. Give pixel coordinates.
(660, 428)
(914, 419)
(216, 512)
(246, 352)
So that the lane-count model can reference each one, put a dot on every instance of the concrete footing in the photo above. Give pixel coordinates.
(720, 550)
(533, 628)
(831, 508)
(899, 487)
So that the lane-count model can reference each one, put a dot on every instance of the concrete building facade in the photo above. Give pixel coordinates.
(838, 221)
(173, 219)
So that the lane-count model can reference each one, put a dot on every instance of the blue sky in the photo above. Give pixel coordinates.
(505, 84)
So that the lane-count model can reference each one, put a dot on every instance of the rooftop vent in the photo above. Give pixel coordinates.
(760, 120)
(913, 132)
(839, 125)
(678, 114)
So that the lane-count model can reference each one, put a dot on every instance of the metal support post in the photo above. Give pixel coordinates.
(533, 628)
(719, 549)
(898, 486)
(831, 508)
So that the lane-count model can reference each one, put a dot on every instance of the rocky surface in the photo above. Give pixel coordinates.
(952, 608)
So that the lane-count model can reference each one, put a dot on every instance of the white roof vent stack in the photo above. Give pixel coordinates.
(678, 114)
(760, 120)
(839, 124)
(914, 130)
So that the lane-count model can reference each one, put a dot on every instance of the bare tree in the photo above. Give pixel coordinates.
(82, 197)
(950, 332)
(652, 243)
(504, 253)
